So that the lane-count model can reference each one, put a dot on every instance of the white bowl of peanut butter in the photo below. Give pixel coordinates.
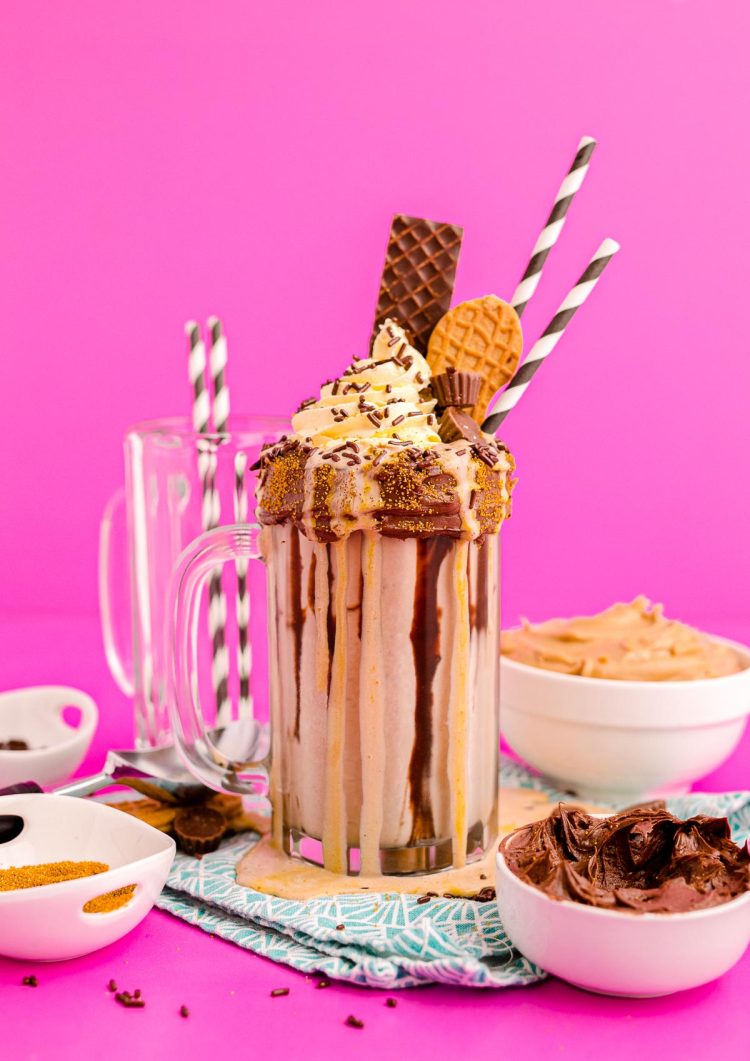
(623, 705)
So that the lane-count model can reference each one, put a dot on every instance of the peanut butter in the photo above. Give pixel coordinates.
(633, 642)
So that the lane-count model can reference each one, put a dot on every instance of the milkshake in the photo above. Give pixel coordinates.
(380, 522)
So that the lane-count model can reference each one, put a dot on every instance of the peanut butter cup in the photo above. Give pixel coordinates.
(199, 830)
(457, 387)
(456, 424)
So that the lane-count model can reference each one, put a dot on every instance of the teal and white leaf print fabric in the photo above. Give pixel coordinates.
(388, 941)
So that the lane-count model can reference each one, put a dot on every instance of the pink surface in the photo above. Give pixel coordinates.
(227, 989)
(169, 160)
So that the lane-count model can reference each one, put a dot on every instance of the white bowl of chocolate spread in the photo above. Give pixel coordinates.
(625, 705)
(639, 903)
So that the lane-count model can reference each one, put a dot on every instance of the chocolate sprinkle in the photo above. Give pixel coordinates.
(30, 981)
(184, 1011)
(279, 992)
(129, 1001)
(354, 1022)
(391, 1003)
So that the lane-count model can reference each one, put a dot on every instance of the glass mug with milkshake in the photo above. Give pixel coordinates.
(379, 529)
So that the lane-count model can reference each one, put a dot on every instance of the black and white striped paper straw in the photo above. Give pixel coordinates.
(197, 373)
(553, 225)
(210, 510)
(217, 601)
(218, 364)
(244, 656)
(201, 416)
(550, 337)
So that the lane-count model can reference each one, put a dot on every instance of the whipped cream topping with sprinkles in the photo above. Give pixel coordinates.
(366, 456)
(383, 396)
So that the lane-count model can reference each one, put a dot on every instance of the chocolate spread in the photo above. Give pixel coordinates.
(642, 860)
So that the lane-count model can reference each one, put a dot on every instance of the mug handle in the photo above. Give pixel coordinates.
(122, 672)
(205, 759)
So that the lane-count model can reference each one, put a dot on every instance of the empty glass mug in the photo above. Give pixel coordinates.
(176, 483)
(383, 671)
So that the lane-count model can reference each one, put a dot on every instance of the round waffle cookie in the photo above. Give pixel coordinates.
(482, 335)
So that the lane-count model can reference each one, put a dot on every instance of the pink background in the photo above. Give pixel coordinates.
(168, 160)
(163, 160)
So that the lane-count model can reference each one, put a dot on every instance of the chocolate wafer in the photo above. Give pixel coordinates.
(417, 283)
(482, 335)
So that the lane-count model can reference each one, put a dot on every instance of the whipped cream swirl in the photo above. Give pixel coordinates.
(376, 398)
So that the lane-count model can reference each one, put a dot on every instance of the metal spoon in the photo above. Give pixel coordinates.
(159, 772)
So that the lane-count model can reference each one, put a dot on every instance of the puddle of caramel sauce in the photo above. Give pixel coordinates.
(271, 871)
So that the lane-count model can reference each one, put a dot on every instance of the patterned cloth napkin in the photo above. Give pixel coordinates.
(389, 941)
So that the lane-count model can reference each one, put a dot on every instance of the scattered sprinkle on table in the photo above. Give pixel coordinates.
(279, 992)
(184, 1011)
(133, 1001)
(391, 1003)
(112, 986)
(340, 928)
(323, 983)
(30, 981)
(354, 1022)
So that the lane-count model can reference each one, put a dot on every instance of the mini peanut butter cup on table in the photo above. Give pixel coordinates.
(199, 830)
